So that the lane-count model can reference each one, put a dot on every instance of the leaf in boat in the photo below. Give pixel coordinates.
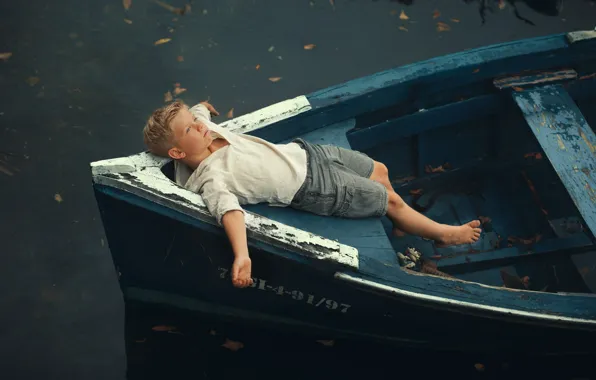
(168, 97)
(439, 169)
(180, 58)
(479, 367)
(257, 67)
(514, 282)
(484, 219)
(230, 114)
(275, 79)
(5, 56)
(128, 21)
(163, 328)
(32, 81)
(178, 11)
(518, 89)
(126, 4)
(475, 71)
(442, 27)
(416, 191)
(403, 28)
(436, 14)
(58, 198)
(162, 41)
(309, 46)
(536, 155)
(518, 240)
(455, 20)
(232, 345)
(327, 343)
(403, 16)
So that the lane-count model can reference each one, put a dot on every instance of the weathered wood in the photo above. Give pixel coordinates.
(534, 79)
(581, 35)
(567, 140)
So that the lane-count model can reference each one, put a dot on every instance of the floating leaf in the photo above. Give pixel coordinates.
(403, 28)
(163, 328)
(502, 4)
(179, 90)
(275, 79)
(271, 48)
(328, 343)
(230, 114)
(442, 27)
(128, 21)
(309, 46)
(58, 198)
(32, 81)
(5, 56)
(167, 97)
(127, 4)
(5, 170)
(257, 67)
(403, 16)
(162, 41)
(178, 11)
(180, 58)
(455, 20)
(436, 14)
(232, 345)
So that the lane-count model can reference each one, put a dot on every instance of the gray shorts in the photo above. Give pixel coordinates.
(337, 183)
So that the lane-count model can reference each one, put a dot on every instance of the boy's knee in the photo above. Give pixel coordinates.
(395, 201)
(381, 170)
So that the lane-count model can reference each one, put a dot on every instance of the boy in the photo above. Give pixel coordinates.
(230, 169)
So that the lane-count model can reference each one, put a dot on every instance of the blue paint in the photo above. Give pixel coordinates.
(567, 140)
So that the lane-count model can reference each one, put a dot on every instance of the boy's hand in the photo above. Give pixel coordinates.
(211, 109)
(241, 270)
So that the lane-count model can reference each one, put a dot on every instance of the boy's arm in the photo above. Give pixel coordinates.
(233, 223)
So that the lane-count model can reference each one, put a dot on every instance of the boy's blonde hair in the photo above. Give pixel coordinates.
(157, 134)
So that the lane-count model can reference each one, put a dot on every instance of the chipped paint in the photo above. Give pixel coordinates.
(560, 143)
(585, 138)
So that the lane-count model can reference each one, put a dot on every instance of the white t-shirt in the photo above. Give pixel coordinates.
(248, 171)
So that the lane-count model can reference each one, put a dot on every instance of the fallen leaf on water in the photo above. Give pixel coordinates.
(436, 14)
(126, 4)
(232, 345)
(518, 89)
(403, 16)
(442, 27)
(536, 155)
(58, 198)
(178, 11)
(502, 4)
(271, 48)
(32, 81)
(393, 12)
(163, 328)
(484, 219)
(162, 41)
(180, 58)
(475, 71)
(479, 367)
(5, 56)
(403, 28)
(275, 79)
(416, 191)
(230, 114)
(257, 67)
(455, 20)
(167, 97)
(128, 21)
(309, 46)
(328, 343)
(179, 90)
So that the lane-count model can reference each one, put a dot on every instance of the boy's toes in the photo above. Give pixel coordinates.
(474, 224)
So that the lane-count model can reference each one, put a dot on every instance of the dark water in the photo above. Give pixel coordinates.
(80, 83)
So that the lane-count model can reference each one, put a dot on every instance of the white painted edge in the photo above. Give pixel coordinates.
(267, 115)
(581, 35)
(457, 303)
(264, 229)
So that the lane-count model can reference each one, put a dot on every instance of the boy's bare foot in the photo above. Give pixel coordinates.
(465, 234)
(397, 232)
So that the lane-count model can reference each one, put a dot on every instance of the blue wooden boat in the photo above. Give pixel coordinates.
(502, 133)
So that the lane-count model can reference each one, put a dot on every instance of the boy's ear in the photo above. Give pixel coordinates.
(176, 153)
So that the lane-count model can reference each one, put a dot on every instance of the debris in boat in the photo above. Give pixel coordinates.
(162, 41)
(439, 169)
(163, 328)
(405, 179)
(415, 261)
(479, 367)
(232, 345)
(5, 56)
(535, 155)
(401, 27)
(230, 114)
(416, 191)
(257, 67)
(167, 97)
(58, 198)
(309, 46)
(436, 14)
(518, 89)
(514, 282)
(327, 343)
(126, 4)
(403, 16)
(442, 27)
(275, 79)
(484, 219)
(534, 193)
(517, 240)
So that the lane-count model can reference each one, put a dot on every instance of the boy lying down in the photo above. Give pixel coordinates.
(230, 169)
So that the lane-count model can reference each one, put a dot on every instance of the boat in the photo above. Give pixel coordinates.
(502, 133)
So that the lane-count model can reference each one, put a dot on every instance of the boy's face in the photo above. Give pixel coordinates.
(191, 136)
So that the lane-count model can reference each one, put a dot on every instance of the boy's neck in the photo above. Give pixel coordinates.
(195, 161)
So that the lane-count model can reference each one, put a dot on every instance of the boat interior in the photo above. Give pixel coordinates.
(514, 155)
